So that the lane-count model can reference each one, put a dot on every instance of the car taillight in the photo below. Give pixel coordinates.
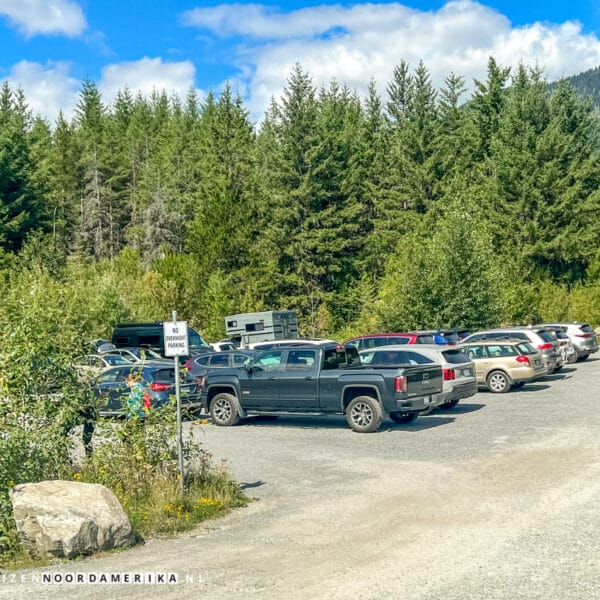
(401, 383)
(157, 386)
(524, 360)
(546, 346)
(583, 335)
(449, 374)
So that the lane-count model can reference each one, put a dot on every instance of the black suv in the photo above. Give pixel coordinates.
(150, 335)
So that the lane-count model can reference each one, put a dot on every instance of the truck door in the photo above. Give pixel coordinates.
(260, 390)
(298, 382)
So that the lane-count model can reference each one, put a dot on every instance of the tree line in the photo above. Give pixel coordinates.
(414, 209)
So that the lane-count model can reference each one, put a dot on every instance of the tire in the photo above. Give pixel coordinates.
(403, 418)
(572, 359)
(224, 410)
(364, 414)
(498, 382)
(583, 357)
(449, 405)
(518, 384)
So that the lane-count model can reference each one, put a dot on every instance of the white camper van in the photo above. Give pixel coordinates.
(248, 328)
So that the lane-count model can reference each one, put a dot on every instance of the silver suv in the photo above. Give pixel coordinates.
(539, 337)
(583, 338)
(458, 371)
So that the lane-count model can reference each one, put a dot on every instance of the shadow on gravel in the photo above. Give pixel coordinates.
(533, 387)
(459, 409)
(254, 484)
(419, 424)
(300, 422)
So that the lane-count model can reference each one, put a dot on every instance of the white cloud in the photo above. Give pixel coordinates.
(355, 43)
(33, 17)
(145, 76)
(48, 88)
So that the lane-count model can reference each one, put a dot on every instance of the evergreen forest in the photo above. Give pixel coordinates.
(416, 208)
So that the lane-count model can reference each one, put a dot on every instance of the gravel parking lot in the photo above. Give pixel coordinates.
(498, 498)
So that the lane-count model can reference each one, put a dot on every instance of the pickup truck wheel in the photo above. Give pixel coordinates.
(364, 414)
(224, 410)
(498, 382)
(398, 417)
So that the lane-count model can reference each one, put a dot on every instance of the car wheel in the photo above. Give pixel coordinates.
(583, 357)
(572, 358)
(402, 418)
(498, 382)
(518, 384)
(449, 405)
(224, 410)
(364, 414)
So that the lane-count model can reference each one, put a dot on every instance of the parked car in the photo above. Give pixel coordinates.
(454, 335)
(458, 372)
(222, 346)
(320, 378)
(291, 342)
(583, 338)
(91, 365)
(502, 364)
(158, 380)
(136, 355)
(200, 365)
(151, 335)
(537, 336)
(567, 349)
(375, 340)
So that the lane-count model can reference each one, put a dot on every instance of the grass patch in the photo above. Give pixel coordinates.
(136, 460)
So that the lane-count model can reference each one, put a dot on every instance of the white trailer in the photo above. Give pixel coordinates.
(262, 326)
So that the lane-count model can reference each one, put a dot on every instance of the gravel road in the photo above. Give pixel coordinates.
(498, 498)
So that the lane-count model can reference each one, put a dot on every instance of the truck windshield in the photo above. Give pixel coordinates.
(196, 341)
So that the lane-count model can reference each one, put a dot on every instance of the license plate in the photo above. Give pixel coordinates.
(537, 362)
(427, 400)
(466, 373)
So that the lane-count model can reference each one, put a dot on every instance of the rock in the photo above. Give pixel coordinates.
(69, 518)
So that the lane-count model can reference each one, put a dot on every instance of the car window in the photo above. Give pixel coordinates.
(519, 335)
(475, 352)
(414, 358)
(451, 338)
(167, 375)
(300, 360)
(270, 361)
(476, 337)
(115, 359)
(219, 360)
(109, 376)
(426, 339)
(388, 358)
(240, 359)
(399, 340)
(455, 357)
(202, 360)
(586, 328)
(526, 348)
(546, 336)
(501, 350)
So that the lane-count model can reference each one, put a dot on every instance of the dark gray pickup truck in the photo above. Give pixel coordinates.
(317, 379)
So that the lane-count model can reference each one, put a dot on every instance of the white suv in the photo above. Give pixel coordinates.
(458, 371)
(583, 338)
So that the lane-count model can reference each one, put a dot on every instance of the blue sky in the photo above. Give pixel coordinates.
(49, 47)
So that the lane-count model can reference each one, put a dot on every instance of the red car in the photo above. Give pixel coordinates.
(374, 340)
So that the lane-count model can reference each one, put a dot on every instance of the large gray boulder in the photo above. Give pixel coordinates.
(69, 518)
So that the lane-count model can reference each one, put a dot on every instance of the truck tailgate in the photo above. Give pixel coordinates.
(423, 380)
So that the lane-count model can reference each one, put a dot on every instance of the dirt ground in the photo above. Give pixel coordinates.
(499, 498)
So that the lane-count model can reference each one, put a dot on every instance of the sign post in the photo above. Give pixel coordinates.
(175, 335)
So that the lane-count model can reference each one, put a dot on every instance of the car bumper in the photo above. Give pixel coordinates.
(464, 390)
(418, 404)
